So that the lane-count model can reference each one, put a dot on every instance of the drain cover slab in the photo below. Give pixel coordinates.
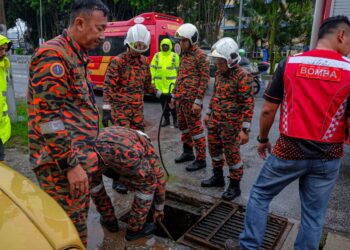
(225, 220)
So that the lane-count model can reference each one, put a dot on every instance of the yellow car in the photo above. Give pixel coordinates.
(30, 218)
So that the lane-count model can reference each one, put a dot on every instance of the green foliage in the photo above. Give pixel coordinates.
(19, 51)
(19, 130)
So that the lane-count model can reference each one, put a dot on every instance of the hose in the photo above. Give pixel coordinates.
(159, 128)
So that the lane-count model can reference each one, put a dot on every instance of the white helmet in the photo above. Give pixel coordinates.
(189, 31)
(138, 34)
(227, 49)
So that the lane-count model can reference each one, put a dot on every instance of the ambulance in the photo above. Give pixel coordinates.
(160, 26)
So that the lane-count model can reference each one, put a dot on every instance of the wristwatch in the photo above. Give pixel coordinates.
(262, 140)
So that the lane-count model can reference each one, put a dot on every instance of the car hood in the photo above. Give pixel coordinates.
(31, 219)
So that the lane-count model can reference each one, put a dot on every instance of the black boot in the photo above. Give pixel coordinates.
(110, 225)
(148, 229)
(119, 187)
(187, 154)
(196, 165)
(233, 190)
(217, 180)
(166, 122)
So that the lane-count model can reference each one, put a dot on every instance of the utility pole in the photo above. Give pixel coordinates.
(41, 39)
(240, 23)
(10, 95)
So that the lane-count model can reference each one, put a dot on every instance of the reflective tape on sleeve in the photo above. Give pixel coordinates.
(51, 127)
(142, 196)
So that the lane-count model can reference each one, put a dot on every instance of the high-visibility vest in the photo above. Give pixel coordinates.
(164, 70)
(5, 123)
(316, 90)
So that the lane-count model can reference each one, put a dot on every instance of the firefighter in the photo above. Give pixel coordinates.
(5, 123)
(63, 120)
(191, 84)
(129, 155)
(312, 91)
(228, 117)
(128, 78)
(164, 67)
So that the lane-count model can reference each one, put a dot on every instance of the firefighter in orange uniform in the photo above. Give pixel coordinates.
(191, 83)
(63, 120)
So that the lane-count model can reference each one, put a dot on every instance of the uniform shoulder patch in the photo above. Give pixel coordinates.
(57, 70)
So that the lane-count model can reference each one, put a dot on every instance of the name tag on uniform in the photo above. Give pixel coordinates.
(319, 72)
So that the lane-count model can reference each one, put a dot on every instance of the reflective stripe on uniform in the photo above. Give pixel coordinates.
(97, 188)
(106, 106)
(158, 77)
(142, 133)
(185, 131)
(196, 137)
(218, 158)
(156, 67)
(142, 196)
(159, 207)
(236, 166)
(51, 127)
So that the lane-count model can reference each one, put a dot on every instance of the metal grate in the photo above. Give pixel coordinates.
(225, 220)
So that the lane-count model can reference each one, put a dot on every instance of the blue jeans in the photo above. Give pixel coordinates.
(316, 181)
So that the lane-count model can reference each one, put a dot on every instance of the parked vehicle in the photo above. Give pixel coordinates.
(30, 218)
(159, 25)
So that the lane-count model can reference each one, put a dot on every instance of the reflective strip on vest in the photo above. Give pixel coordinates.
(335, 121)
(158, 77)
(171, 77)
(142, 196)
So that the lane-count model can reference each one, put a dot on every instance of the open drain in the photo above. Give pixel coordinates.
(224, 221)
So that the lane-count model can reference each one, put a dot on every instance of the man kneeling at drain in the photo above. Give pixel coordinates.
(129, 155)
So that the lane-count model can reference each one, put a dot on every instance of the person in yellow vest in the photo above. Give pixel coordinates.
(164, 68)
(5, 123)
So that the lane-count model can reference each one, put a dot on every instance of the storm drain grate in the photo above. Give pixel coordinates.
(225, 220)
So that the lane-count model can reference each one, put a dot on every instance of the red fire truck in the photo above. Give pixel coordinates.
(159, 25)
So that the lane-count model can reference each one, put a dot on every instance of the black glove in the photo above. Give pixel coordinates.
(106, 116)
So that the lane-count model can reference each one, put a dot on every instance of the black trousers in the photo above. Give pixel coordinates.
(164, 101)
(2, 151)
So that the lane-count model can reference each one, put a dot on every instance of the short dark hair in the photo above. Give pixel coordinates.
(331, 24)
(87, 7)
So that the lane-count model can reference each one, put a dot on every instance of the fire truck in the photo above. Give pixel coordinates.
(160, 26)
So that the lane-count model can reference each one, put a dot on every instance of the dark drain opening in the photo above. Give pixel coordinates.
(178, 219)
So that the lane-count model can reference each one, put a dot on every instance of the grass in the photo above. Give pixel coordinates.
(19, 130)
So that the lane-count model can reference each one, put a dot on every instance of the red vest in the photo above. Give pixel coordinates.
(316, 88)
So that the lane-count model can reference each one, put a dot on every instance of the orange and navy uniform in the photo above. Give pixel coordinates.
(127, 79)
(230, 108)
(63, 123)
(191, 83)
(130, 155)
